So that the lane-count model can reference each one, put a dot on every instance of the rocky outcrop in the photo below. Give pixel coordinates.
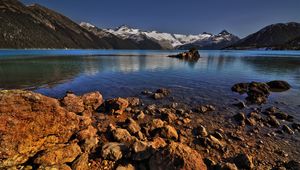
(31, 122)
(33, 125)
(192, 55)
(257, 92)
(114, 106)
(39, 132)
(177, 156)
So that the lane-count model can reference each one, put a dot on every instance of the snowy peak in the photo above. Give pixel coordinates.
(87, 25)
(168, 40)
(224, 32)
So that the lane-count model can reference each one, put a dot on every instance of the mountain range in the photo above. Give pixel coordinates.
(35, 26)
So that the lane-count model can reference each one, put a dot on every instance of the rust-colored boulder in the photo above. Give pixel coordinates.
(58, 155)
(114, 106)
(93, 99)
(55, 167)
(31, 122)
(73, 103)
(177, 156)
(82, 162)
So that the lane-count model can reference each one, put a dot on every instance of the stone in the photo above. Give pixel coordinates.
(281, 115)
(35, 124)
(240, 88)
(73, 103)
(161, 93)
(158, 142)
(141, 150)
(168, 116)
(244, 161)
(251, 121)
(296, 126)
(273, 121)
(115, 106)
(93, 99)
(257, 93)
(122, 135)
(58, 155)
(287, 129)
(169, 132)
(257, 90)
(279, 85)
(146, 92)
(133, 101)
(158, 96)
(164, 91)
(114, 151)
(89, 144)
(240, 105)
(82, 162)
(141, 115)
(132, 126)
(155, 124)
(55, 167)
(87, 133)
(204, 108)
(126, 167)
(209, 163)
(177, 156)
(218, 135)
(229, 166)
(214, 142)
(240, 117)
(200, 131)
(292, 165)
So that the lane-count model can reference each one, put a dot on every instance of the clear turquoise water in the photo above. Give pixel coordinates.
(128, 72)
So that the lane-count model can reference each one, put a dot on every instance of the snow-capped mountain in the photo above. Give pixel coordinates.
(174, 41)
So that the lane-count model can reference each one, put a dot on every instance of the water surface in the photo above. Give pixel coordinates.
(128, 72)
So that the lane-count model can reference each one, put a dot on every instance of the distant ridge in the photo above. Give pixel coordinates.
(35, 26)
(272, 36)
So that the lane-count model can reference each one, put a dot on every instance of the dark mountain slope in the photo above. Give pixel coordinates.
(270, 36)
(38, 27)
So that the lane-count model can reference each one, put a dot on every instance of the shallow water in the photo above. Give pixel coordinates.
(127, 73)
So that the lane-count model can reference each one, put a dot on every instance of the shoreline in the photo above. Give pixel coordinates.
(124, 132)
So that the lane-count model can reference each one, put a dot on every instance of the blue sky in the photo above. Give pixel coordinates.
(240, 17)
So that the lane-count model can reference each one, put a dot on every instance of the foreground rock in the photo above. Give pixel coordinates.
(36, 123)
(192, 55)
(177, 156)
(114, 106)
(58, 155)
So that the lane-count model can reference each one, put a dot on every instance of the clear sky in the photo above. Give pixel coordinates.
(240, 17)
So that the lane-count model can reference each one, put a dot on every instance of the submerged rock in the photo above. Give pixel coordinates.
(257, 92)
(279, 85)
(161, 93)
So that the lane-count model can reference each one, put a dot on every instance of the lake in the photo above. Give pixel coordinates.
(128, 72)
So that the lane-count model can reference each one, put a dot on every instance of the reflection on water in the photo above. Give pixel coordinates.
(207, 80)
